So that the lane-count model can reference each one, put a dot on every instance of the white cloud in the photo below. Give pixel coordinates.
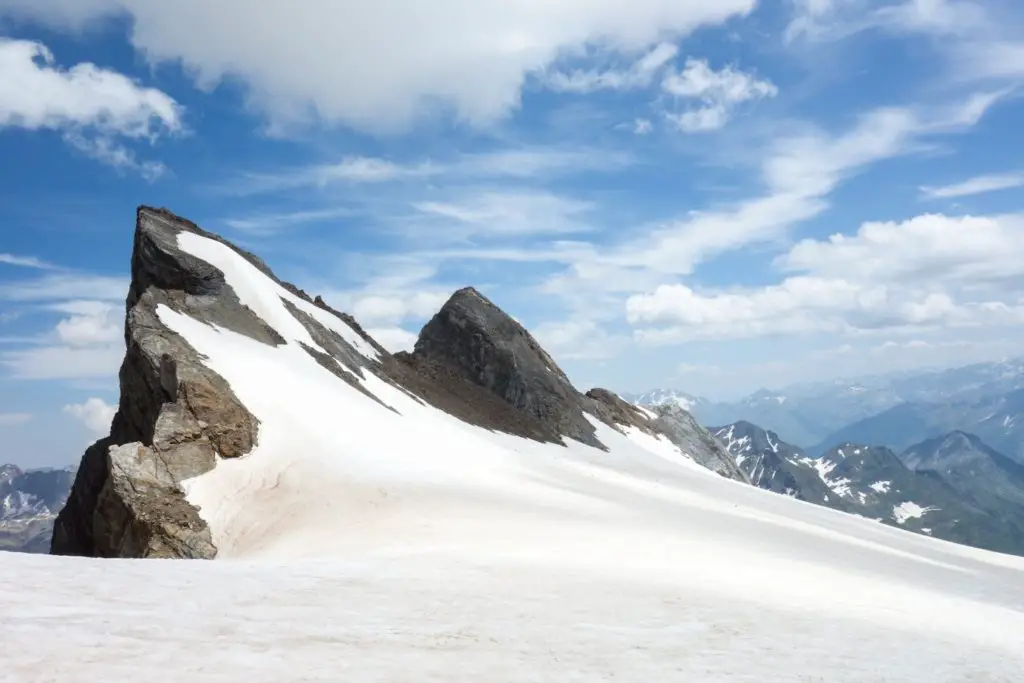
(381, 65)
(270, 223)
(63, 362)
(394, 339)
(14, 419)
(116, 155)
(90, 105)
(799, 173)
(25, 262)
(66, 286)
(640, 74)
(524, 163)
(578, 338)
(642, 126)
(973, 186)
(493, 213)
(86, 343)
(95, 413)
(90, 323)
(718, 94)
(395, 307)
(976, 40)
(927, 272)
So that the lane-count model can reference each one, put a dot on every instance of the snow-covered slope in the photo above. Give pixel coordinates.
(372, 536)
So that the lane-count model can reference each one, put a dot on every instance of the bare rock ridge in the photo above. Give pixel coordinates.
(176, 416)
(480, 342)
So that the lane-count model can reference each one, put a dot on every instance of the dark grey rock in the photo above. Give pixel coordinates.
(180, 411)
(694, 440)
(481, 343)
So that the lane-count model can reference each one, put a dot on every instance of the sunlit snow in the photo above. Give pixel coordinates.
(366, 542)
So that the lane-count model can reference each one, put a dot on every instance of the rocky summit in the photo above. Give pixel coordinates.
(177, 418)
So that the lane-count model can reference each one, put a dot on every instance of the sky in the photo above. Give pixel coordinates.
(708, 195)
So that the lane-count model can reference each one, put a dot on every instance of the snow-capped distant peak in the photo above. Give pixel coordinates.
(764, 396)
(661, 397)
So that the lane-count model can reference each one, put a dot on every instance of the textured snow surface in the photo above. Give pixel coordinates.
(368, 542)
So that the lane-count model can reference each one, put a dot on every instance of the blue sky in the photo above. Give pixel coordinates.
(713, 195)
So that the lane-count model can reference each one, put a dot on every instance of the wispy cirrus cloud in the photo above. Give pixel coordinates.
(716, 94)
(509, 164)
(640, 74)
(973, 186)
(26, 262)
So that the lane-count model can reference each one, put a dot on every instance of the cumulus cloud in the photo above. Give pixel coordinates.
(926, 272)
(394, 339)
(86, 342)
(92, 107)
(95, 413)
(381, 66)
(717, 93)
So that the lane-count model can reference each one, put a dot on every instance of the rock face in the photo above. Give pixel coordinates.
(29, 501)
(774, 465)
(700, 444)
(176, 417)
(478, 341)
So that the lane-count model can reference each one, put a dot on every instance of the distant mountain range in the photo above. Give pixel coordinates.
(953, 487)
(29, 503)
(897, 411)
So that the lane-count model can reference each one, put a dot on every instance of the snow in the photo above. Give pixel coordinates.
(361, 543)
(881, 486)
(909, 510)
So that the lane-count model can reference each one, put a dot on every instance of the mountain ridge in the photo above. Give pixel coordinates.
(906, 490)
(29, 502)
(177, 418)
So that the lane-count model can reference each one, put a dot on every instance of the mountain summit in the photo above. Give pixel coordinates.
(179, 418)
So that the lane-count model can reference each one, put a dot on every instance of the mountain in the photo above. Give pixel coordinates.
(457, 513)
(983, 398)
(775, 465)
(29, 501)
(661, 397)
(954, 488)
(178, 417)
(971, 467)
(997, 419)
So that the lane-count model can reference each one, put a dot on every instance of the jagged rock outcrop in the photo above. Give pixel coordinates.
(483, 344)
(680, 427)
(176, 414)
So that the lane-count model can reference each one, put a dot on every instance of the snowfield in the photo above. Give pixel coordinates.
(384, 540)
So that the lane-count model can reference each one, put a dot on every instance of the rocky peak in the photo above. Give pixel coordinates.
(484, 345)
(176, 417)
